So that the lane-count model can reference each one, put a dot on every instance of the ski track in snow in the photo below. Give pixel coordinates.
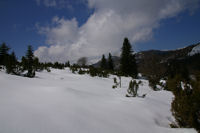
(62, 102)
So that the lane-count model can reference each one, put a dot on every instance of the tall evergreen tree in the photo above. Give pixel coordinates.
(3, 53)
(30, 62)
(67, 64)
(36, 63)
(128, 65)
(11, 64)
(110, 62)
(103, 62)
(24, 63)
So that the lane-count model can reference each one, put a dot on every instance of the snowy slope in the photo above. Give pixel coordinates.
(62, 102)
(195, 50)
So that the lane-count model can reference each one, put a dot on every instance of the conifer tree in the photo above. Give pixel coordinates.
(36, 63)
(110, 62)
(67, 64)
(11, 63)
(30, 62)
(103, 62)
(3, 53)
(24, 63)
(128, 65)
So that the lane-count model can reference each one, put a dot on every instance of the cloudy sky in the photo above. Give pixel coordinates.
(61, 30)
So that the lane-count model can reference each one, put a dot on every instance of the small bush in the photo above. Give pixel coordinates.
(116, 84)
(133, 88)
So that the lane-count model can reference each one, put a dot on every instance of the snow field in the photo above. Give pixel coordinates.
(62, 102)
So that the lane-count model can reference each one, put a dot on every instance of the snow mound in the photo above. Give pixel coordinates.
(62, 102)
(195, 50)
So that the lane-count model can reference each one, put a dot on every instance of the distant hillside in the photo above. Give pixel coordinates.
(155, 62)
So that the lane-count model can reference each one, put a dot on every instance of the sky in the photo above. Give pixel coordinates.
(62, 30)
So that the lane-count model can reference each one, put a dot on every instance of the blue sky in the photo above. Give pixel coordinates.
(18, 19)
(44, 24)
(175, 33)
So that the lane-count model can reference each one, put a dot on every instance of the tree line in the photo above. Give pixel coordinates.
(128, 66)
(28, 64)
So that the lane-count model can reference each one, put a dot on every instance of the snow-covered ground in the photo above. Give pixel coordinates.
(62, 102)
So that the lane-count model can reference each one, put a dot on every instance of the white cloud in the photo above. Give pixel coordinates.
(106, 28)
(55, 3)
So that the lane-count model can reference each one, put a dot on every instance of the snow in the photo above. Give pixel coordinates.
(62, 102)
(195, 50)
(185, 86)
(163, 82)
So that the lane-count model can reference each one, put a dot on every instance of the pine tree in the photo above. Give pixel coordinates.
(24, 63)
(3, 53)
(67, 64)
(128, 65)
(30, 62)
(36, 63)
(103, 62)
(11, 64)
(110, 62)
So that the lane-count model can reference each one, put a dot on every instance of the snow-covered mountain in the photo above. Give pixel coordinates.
(62, 102)
(195, 50)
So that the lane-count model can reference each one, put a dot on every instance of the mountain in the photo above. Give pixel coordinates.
(195, 50)
(155, 62)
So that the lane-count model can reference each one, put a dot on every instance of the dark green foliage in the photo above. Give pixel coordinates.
(67, 64)
(58, 65)
(177, 67)
(98, 72)
(89, 70)
(115, 83)
(153, 81)
(11, 64)
(110, 62)
(133, 88)
(8, 60)
(103, 62)
(30, 62)
(186, 104)
(24, 63)
(128, 65)
(4, 49)
(74, 68)
(81, 71)
(36, 64)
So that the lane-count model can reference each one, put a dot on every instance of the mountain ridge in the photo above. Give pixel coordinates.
(155, 62)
